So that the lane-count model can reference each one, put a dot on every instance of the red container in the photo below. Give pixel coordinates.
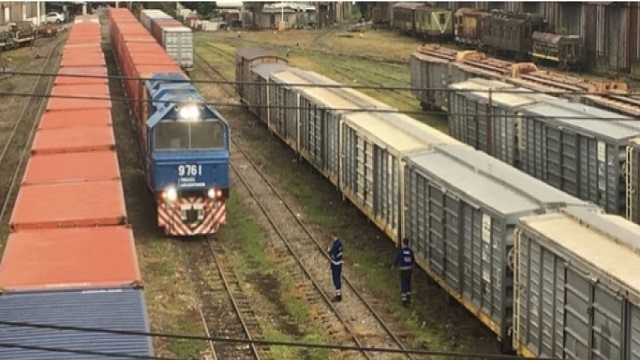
(97, 97)
(72, 118)
(69, 205)
(70, 259)
(71, 80)
(73, 139)
(88, 47)
(72, 167)
(86, 60)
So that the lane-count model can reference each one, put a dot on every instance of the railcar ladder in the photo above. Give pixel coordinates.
(516, 291)
(629, 183)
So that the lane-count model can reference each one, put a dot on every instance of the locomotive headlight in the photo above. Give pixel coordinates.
(189, 112)
(171, 194)
(214, 193)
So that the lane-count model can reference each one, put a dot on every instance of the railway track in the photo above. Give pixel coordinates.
(16, 147)
(298, 247)
(225, 310)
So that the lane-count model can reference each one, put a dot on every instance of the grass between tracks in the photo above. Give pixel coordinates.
(271, 282)
(322, 207)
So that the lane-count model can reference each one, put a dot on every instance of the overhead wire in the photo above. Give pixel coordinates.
(290, 107)
(334, 86)
(270, 342)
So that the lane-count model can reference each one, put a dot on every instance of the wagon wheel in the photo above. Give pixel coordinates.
(511, 259)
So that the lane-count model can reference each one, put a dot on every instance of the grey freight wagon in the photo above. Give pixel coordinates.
(577, 286)
(461, 210)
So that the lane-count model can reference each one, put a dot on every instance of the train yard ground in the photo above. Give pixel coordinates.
(182, 282)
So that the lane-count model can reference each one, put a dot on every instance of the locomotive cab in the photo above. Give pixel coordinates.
(188, 159)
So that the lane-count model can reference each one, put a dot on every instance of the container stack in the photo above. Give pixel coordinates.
(70, 259)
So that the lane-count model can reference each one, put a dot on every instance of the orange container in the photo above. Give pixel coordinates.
(72, 167)
(70, 259)
(72, 118)
(72, 80)
(69, 205)
(73, 139)
(97, 97)
(90, 47)
(86, 60)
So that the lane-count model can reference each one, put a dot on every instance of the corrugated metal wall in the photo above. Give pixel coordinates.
(634, 37)
(611, 30)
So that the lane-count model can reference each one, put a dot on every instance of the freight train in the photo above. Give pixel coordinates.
(184, 141)
(546, 137)
(70, 259)
(536, 265)
(513, 35)
(175, 38)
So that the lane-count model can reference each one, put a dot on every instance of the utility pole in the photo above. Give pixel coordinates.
(39, 21)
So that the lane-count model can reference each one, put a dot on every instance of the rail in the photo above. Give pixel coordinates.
(389, 335)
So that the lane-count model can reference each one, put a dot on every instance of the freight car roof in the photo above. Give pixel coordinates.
(266, 69)
(398, 132)
(488, 181)
(607, 242)
(519, 96)
(251, 53)
(122, 310)
(586, 119)
(340, 98)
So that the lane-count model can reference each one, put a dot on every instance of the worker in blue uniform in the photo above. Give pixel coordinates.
(335, 255)
(405, 260)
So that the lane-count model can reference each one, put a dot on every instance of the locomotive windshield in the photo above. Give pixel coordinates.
(200, 135)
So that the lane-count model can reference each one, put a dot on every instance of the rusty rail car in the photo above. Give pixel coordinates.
(444, 66)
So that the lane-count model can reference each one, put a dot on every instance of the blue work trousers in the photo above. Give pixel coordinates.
(336, 273)
(405, 283)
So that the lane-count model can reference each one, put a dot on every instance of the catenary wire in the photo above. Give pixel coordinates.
(373, 110)
(269, 342)
(336, 86)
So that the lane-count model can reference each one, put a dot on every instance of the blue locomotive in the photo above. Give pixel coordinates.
(186, 157)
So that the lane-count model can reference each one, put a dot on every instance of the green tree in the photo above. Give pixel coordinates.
(254, 7)
(204, 8)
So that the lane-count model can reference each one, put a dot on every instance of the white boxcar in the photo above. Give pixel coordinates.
(257, 94)
(285, 89)
(577, 286)
(373, 148)
(579, 149)
(145, 17)
(321, 110)
(486, 115)
(461, 209)
(311, 128)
